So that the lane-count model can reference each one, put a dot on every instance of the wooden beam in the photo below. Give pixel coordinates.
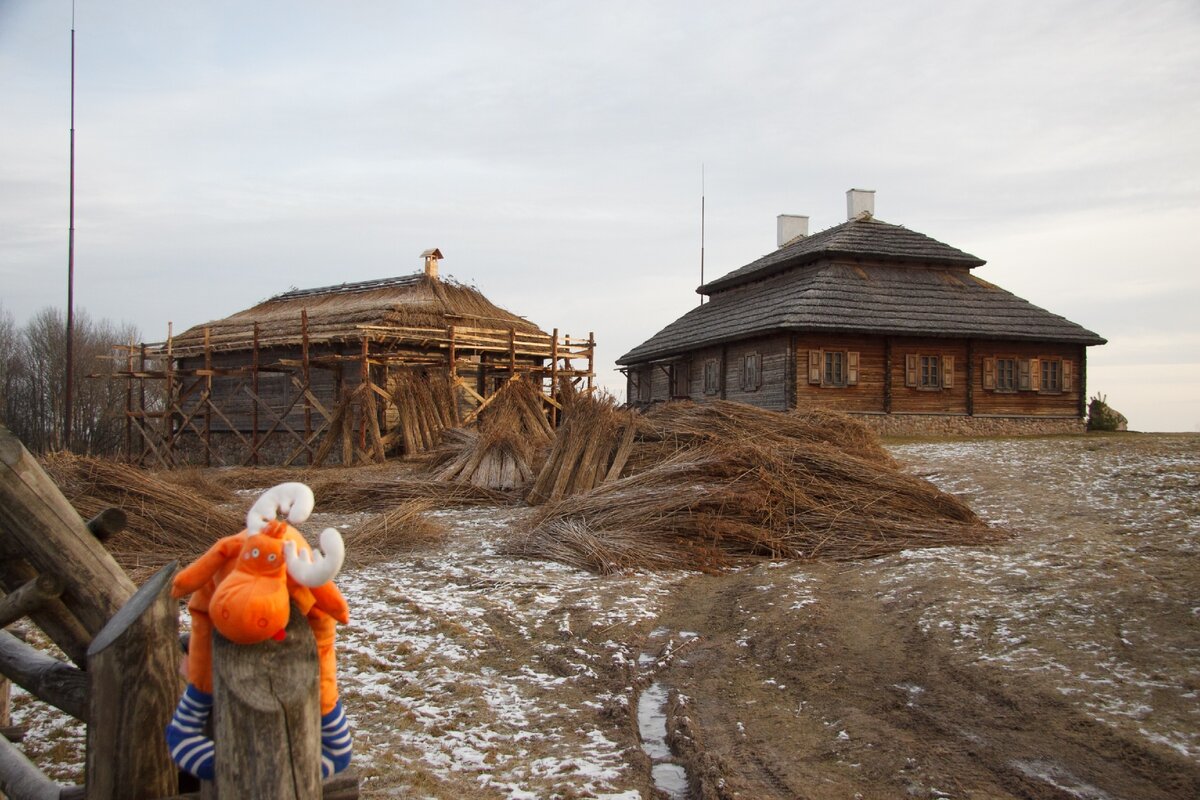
(133, 667)
(53, 617)
(107, 523)
(52, 681)
(35, 515)
(31, 595)
(267, 716)
(20, 779)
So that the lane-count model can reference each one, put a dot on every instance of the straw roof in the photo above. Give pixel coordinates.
(336, 314)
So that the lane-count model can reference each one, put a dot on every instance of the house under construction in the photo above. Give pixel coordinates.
(341, 374)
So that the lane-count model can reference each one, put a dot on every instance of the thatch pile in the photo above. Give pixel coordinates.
(404, 527)
(592, 446)
(507, 447)
(344, 494)
(706, 484)
(426, 406)
(166, 520)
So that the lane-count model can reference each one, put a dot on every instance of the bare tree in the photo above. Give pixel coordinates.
(34, 382)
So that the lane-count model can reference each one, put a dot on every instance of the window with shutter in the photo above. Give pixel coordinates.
(947, 372)
(930, 376)
(1007, 373)
(835, 369)
(911, 367)
(1050, 377)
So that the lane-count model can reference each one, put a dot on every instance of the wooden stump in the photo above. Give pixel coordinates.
(133, 666)
(267, 716)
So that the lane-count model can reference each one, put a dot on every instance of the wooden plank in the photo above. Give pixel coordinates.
(52, 681)
(267, 716)
(30, 596)
(133, 668)
(107, 523)
(20, 779)
(53, 617)
(54, 539)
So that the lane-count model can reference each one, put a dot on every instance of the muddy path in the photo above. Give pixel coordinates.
(845, 696)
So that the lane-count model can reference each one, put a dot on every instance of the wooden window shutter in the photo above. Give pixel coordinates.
(947, 372)
(1035, 374)
(1066, 375)
(912, 364)
(989, 373)
(852, 369)
(814, 366)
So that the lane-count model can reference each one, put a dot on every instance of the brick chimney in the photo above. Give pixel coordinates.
(789, 227)
(431, 258)
(860, 203)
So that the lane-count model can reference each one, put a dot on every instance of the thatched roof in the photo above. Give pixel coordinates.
(335, 314)
(886, 300)
(860, 238)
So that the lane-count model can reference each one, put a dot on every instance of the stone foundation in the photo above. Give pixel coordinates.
(954, 427)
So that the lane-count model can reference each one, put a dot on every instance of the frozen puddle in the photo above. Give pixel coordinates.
(669, 777)
(652, 727)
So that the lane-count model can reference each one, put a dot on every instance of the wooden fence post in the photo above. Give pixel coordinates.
(133, 666)
(267, 716)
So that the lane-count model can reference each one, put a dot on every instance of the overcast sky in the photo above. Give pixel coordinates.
(228, 151)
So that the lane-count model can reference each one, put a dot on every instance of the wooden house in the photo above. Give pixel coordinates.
(352, 372)
(878, 321)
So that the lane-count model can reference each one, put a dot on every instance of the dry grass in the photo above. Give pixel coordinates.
(510, 443)
(401, 529)
(345, 494)
(166, 520)
(709, 484)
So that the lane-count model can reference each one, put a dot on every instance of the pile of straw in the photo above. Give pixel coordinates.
(426, 406)
(706, 485)
(344, 494)
(166, 520)
(512, 435)
(591, 447)
(402, 528)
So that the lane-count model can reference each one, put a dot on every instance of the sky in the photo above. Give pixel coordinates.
(557, 154)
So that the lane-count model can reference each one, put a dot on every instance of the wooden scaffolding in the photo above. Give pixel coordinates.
(328, 401)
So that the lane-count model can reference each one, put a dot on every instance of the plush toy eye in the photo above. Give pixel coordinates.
(271, 557)
(254, 553)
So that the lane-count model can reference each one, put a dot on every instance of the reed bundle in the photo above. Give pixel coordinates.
(508, 446)
(402, 528)
(425, 406)
(344, 494)
(710, 484)
(166, 520)
(591, 447)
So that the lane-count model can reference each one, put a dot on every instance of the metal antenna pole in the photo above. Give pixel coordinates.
(67, 401)
(701, 230)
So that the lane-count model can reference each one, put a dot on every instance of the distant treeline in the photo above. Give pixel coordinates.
(33, 365)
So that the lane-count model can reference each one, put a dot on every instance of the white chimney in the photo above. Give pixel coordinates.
(860, 203)
(431, 258)
(789, 227)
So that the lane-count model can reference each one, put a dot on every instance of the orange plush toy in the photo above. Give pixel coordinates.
(244, 587)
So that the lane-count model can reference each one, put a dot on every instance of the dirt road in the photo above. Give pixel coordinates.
(1063, 664)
